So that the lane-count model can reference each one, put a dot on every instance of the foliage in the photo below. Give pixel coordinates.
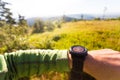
(92, 34)
(49, 26)
(13, 38)
(97, 18)
(38, 26)
(5, 14)
(22, 21)
(41, 26)
(2, 23)
(118, 18)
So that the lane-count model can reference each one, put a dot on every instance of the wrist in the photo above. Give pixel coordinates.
(76, 57)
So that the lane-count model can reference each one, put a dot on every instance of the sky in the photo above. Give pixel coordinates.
(44, 8)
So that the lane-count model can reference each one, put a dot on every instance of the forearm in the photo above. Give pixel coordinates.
(3, 68)
(30, 62)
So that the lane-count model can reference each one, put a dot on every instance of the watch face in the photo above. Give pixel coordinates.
(78, 49)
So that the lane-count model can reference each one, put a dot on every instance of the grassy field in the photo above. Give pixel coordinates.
(91, 34)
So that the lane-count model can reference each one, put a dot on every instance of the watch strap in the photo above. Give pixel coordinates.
(77, 63)
(75, 76)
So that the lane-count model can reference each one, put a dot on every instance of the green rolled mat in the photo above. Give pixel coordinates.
(25, 63)
(3, 68)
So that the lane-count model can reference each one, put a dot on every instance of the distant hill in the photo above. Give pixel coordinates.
(71, 17)
(82, 16)
(57, 18)
(111, 15)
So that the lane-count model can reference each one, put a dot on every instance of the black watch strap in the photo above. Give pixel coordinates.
(77, 63)
(77, 68)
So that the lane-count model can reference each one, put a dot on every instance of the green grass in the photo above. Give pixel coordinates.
(91, 34)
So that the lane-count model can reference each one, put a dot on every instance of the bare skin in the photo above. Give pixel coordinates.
(102, 64)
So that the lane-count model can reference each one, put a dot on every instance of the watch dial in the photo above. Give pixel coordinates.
(78, 49)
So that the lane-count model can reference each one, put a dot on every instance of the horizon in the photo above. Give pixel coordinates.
(47, 8)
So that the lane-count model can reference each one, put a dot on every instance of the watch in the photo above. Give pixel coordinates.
(78, 54)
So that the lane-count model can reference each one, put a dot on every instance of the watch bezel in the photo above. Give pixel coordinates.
(84, 53)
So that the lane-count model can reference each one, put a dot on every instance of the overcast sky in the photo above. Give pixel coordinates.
(40, 8)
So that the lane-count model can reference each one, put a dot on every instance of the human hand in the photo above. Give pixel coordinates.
(103, 64)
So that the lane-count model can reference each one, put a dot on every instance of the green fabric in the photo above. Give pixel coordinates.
(3, 68)
(29, 62)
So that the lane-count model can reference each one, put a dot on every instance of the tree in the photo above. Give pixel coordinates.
(22, 21)
(82, 16)
(97, 18)
(38, 26)
(49, 26)
(5, 14)
(118, 18)
(63, 19)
